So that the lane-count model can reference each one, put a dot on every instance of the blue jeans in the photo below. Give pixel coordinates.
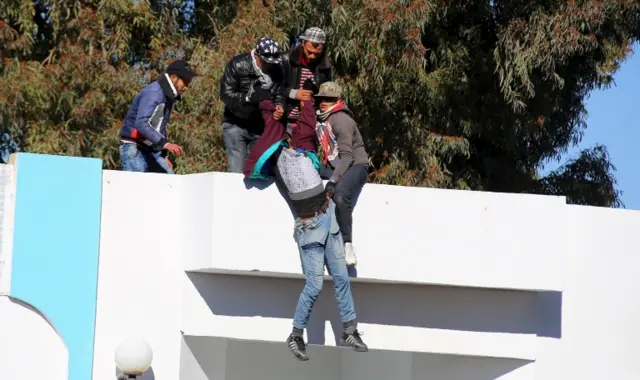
(319, 242)
(238, 143)
(134, 159)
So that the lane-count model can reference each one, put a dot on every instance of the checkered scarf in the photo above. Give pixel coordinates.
(326, 138)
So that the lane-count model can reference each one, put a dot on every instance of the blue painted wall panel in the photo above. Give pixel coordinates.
(56, 247)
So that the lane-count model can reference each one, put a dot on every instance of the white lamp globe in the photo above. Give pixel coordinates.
(133, 356)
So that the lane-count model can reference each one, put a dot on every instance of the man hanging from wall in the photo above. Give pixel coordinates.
(344, 157)
(144, 146)
(296, 167)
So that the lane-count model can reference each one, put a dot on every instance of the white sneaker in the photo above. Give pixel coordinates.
(350, 254)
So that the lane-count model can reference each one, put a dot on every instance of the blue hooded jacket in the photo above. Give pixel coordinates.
(147, 118)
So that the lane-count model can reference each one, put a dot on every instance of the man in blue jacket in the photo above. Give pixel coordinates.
(144, 146)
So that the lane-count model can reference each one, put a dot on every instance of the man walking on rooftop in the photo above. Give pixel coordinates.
(144, 145)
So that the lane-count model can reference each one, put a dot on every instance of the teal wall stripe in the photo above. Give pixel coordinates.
(56, 246)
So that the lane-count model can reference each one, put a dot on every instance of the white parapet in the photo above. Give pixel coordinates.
(440, 272)
(452, 285)
(410, 235)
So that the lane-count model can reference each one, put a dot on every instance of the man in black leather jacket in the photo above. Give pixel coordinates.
(305, 61)
(248, 79)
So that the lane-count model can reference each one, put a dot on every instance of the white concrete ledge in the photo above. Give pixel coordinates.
(356, 280)
(455, 343)
(414, 235)
(237, 359)
(408, 318)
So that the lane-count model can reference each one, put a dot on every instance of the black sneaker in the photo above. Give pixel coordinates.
(298, 347)
(355, 341)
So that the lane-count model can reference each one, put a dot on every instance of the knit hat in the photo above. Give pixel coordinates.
(315, 35)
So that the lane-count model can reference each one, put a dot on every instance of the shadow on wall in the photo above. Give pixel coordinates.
(256, 183)
(549, 314)
(148, 375)
(209, 358)
(434, 307)
(35, 310)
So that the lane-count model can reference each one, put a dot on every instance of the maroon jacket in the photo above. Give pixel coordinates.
(274, 132)
(303, 136)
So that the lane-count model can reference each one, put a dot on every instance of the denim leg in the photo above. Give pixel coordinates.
(311, 236)
(348, 190)
(162, 166)
(334, 256)
(132, 159)
(236, 140)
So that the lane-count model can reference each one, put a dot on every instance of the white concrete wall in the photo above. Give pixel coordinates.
(600, 334)
(156, 226)
(246, 230)
(30, 347)
(140, 273)
(516, 241)
(415, 235)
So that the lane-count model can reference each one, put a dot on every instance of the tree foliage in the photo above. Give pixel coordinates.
(457, 94)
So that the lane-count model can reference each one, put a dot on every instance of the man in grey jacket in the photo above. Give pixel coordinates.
(344, 157)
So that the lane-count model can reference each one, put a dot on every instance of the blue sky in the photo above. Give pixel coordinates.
(614, 121)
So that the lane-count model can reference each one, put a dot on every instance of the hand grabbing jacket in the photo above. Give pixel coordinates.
(238, 84)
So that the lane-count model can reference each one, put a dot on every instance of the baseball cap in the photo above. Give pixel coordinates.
(269, 50)
(329, 90)
(181, 69)
(315, 35)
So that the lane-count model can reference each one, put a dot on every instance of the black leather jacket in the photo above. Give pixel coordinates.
(322, 72)
(237, 83)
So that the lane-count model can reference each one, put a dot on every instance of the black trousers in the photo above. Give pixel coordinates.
(346, 196)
